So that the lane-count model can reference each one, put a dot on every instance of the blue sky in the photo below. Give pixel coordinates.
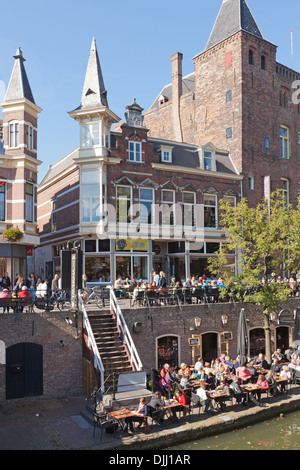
(135, 40)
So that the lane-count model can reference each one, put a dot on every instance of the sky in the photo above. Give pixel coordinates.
(135, 40)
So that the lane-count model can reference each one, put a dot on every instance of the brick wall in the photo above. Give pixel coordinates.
(62, 367)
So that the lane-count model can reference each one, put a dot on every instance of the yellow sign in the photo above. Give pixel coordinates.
(131, 245)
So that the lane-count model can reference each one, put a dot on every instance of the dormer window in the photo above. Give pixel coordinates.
(208, 159)
(166, 154)
(135, 151)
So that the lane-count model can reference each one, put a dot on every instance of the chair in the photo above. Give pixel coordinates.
(151, 298)
(198, 294)
(140, 297)
(195, 401)
(100, 421)
(156, 415)
(297, 377)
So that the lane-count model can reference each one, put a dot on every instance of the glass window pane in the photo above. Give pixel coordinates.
(123, 191)
(168, 196)
(104, 245)
(189, 198)
(97, 268)
(90, 246)
(146, 194)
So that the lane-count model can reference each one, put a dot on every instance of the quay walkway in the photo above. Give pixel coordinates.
(57, 424)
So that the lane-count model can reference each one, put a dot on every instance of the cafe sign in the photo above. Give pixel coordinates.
(285, 317)
(131, 245)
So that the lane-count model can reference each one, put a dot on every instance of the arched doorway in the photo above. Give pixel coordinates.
(257, 342)
(167, 351)
(24, 370)
(209, 346)
(282, 339)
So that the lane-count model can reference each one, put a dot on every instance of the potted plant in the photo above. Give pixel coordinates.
(12, 235)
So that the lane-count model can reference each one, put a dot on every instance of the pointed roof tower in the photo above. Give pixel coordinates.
(94, 93)
(233, 16)
(18, 87)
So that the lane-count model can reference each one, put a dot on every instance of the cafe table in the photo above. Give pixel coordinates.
(120, 416)
(171, 405)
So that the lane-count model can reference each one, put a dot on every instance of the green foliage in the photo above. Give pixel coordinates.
(266, 238)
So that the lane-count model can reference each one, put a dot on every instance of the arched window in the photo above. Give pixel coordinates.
(263, 62)
(13, 138)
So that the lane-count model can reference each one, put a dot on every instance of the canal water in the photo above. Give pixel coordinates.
(280, 433)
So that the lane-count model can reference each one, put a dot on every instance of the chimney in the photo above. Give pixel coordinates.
(176, 60)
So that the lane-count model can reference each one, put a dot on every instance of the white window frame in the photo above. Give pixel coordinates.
(284, 143)
(215, 205)
(152, 215)
(90, 140)
(29, 136)
(122, 198)
(285, 190)
(29, 207)
(14, 134)
(190, 205)
(135, 154)
(171, 208)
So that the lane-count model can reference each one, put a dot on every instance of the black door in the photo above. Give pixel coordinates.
(24, 370)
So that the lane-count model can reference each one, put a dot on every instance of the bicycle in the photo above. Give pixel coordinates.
(97, 294)
(48, 303)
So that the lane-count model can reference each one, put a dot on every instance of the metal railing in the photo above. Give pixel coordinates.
(125, 333)
(98, 364)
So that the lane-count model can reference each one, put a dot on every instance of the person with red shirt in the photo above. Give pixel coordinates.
(181, 398)
(243, 374)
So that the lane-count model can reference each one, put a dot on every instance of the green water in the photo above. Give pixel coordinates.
(281, 433)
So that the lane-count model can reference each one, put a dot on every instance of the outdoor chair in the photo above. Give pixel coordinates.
(139, 298)
(156, 416)
(198, 294)
(100, 421)
(297, 377)
(151, 298)
(187, 294)
(195, 401)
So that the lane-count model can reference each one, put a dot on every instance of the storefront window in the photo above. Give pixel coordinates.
(133, 267)
(176, 247)
(123, 267)
(139, 267)
(177, 268)
(97, 268)
(90, 246)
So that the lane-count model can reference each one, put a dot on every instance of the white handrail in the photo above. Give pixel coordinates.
(126, 336)
(98, 364)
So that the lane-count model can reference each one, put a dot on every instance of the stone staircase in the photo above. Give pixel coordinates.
(112, 350)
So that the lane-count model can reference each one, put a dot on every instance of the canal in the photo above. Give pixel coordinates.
(280, 433)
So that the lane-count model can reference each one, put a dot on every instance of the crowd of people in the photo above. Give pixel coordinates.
(33, 287)
(229, 377)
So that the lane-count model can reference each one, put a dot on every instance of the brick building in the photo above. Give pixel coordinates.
(18, 171)
(135, 203)
(239, 97)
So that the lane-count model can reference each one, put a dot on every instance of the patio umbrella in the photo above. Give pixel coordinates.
(242, 338)
(296, 332)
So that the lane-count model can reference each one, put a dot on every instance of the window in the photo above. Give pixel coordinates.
(90, 135)
(90, 203)
(29, 137)
(210, 210)
(29, 202)
(284, 142)
(168, 214)
(135, 153)
(267, 143)
(299, 147)
(231, 200)
(146, 205)
(251, 184)
(251, 59)
(2, 200)
(228, 96)
(189, 209)
(14, 135)
(208, 160)
(229, 133)
(166, 156)
(263, 62)
(285, 190)
(123, 204)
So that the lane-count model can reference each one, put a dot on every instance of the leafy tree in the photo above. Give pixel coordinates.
(266, 240)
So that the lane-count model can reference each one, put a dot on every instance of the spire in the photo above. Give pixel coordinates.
(233, 16)
(18, 87)
(94, 93)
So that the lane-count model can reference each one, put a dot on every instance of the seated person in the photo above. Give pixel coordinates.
(261, 361)
(181, 398)
(286, 375)
(223, 388)
(204, 398)
(275, 366)
(155, 407)
(263, 383)
(236, 390)
(24, 292)
(199, 365)
(141, 416)
(184, 370)
(277, 355)
(4, 295)
(167, 379)
(243, 374)
(272, 384)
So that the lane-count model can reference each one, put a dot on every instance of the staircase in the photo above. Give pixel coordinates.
(113, 352)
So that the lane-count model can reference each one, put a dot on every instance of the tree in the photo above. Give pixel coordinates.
(266, 240)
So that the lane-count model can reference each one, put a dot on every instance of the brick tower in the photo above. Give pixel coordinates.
(240, 99)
